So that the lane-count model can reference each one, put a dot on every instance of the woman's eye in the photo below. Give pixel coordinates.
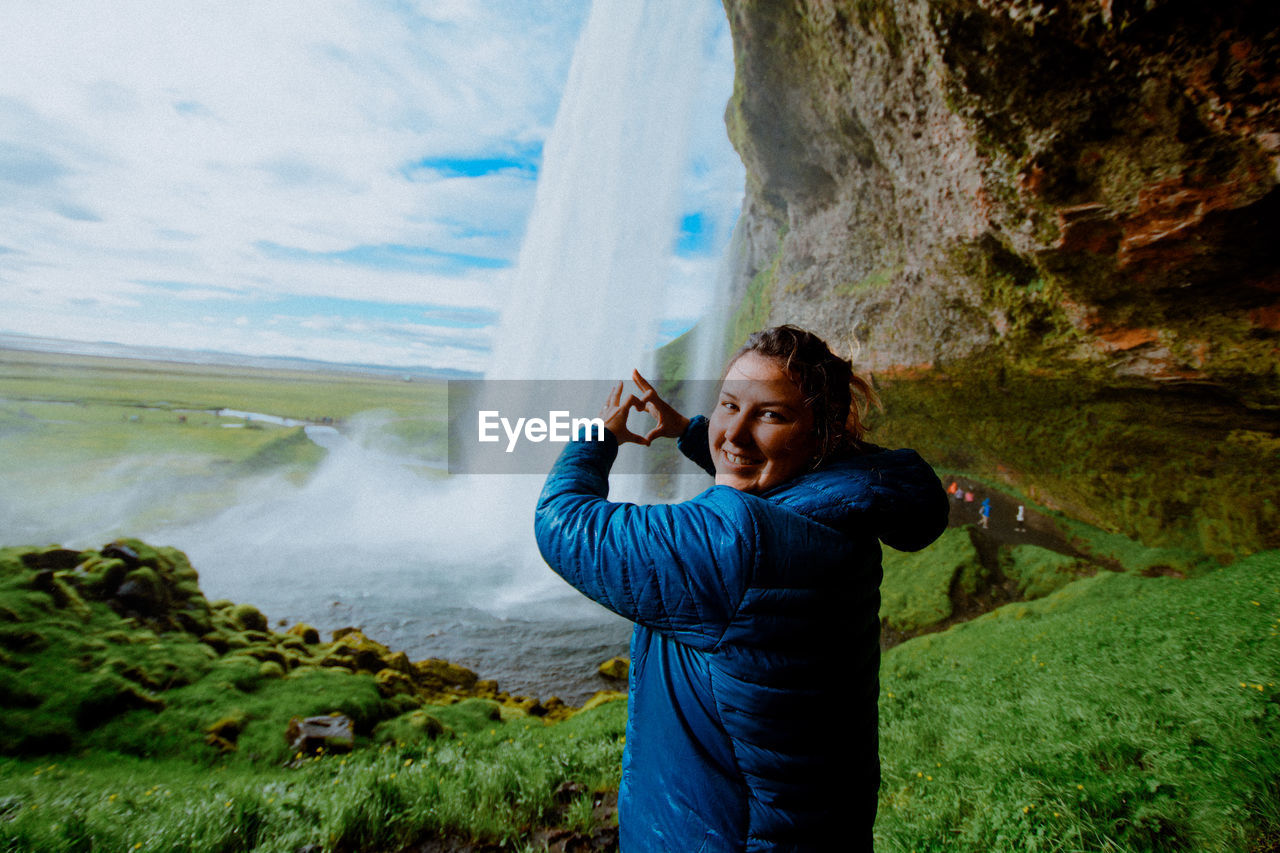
(725, 404)
(772, 416)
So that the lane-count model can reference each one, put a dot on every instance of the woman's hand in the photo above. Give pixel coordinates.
(614, 414)
(671, 424)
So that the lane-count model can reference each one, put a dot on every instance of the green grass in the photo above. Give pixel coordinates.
(1038, 571)
(916, 590)
(1120, 714)
(109, 722)
(490, 783)
(165, 385)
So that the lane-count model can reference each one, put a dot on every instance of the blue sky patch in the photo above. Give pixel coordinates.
(696, 235)
(388, 257)
(526, 162)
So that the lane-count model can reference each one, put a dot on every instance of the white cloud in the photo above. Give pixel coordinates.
(151, 141)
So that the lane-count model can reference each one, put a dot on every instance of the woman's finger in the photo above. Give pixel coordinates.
(641, 382)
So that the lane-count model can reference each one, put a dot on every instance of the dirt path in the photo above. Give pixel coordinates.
(1003, 527)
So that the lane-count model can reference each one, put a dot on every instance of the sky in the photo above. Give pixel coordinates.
(341, 181)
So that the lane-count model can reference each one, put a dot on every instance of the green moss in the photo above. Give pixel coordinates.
(1038, 571)
(877, 279)
(757, 303)
(917, 588)
(246, 617)
(1154, 463)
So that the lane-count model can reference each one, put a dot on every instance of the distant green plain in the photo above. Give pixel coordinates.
(73, 428)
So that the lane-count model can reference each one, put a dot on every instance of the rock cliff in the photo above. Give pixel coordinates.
(1048, 228)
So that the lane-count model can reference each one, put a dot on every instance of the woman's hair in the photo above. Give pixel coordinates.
(838, 397)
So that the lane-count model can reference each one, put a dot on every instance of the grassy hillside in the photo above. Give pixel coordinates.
(1119, 713)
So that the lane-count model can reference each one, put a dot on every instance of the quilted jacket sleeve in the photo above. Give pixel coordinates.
(681, 569)
(693, 444)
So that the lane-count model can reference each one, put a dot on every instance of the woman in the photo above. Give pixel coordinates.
(753, 686)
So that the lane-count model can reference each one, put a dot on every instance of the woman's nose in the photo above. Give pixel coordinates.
(736, 430)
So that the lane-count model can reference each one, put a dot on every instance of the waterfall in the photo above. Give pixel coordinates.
(448, 567)
(589, 288)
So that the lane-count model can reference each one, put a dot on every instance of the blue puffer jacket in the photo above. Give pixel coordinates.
(754, 662)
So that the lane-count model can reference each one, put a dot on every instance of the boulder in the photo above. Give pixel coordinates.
(248, 618)
(393, 682)
(309, 735)
(616, 668)
(436, 674)
(309, 635)
(361, 652)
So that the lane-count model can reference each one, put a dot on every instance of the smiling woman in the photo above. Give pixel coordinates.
(747, 600)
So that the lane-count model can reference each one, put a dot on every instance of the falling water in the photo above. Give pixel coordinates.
(589, 291)
(448, 567)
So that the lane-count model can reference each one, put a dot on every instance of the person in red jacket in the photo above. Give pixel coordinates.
(752, 716)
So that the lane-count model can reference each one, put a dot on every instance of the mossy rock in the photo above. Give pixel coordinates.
(417, 725)
(271, 669)
(246, 617)
(100, 577)
(1039, 571)
(616, 668)
(603, 697)
(399, 661)
(223, 733)
(363, 653)
(144, 592)
(305, 632)
(108, 695)
(262, 654)
(437, 674)
(393, 682)
(290, 643)
(194, 621)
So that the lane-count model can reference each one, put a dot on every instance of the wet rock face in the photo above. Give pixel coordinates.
(1082, 182)
(984, 193)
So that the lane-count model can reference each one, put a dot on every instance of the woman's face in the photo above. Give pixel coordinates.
(761, 431)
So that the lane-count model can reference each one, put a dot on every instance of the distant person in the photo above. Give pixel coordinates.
(953, 488)
(756, 603)
(984, 513)
(1021, 517)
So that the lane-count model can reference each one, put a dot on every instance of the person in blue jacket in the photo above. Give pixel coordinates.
(752, 717)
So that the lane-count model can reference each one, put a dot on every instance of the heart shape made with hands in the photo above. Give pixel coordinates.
(667, 421)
